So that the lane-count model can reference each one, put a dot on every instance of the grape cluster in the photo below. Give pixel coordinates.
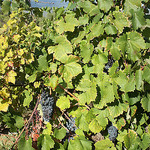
(113, 132)
(108, 65)
(70, 124)
(47, 103)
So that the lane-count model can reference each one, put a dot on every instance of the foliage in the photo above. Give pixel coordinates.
(93, 58)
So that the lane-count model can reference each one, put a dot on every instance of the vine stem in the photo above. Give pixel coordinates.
(71, 94)
(68, 92)
(35, 108)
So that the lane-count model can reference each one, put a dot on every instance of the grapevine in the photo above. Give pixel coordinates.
(88, 63)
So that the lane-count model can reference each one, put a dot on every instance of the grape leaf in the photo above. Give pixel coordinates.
(105, 5)
(67, 23)
(80, 143)
(94, 126)
(63, 102)
(146, 73)
(88, 7)
(138, 79)
(53, 81)
(120, 21)
(138, 19)
(131, 4)
(25, 144)
(104, 144)
(6, 6)
(110, 29)
(130, 139)
(46, 142)
(28, 98)
(60, 133)
(145, 141)
(82, 123)
(43, 64)
(96, 31)
(11, 76)
(86, 51)
(70, 70)
(4, 105)
(146, 103)
(48, 129)
(121, 123)
(62, 48)
(118, 109)
(115, 51)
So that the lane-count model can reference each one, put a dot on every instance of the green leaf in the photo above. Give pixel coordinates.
(94, 126)
(131, 4)
(82, 123)
(83, 20)
(48, 129)
(138, 79)
(130, 86)
(47, 142)
(110, 29)
(19, 122)
(28, 98)
(43, 63)
(146, 74)
(90, 91)
(102, 120)
(59, 133)
(6, 6)
(130, 139)
(120, 21)
(60, 50)
(105, 5)
(107, 93)
(118, 109)
(80, 143)
(86, 51)
(121, 123)
(96, 31)
(146, 103)
(115, 51)
(63, 102)
(67, 23)
(25, 144)
(145, 141)
(70, 70)
(89, 8)
(104, 144)
(53, 81)
(138, 19)
(131, 43)
(32, 78)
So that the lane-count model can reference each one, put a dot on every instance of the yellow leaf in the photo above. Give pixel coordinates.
(4, 105)
(11, 76)
(2, 67)
(10, 53)
(16, 38)
(36, 84)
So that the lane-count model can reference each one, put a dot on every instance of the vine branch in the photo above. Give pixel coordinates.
(35, 108)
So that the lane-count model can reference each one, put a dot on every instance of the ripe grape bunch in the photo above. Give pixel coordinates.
(47, 103)
(113, 132)
(70, 124)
